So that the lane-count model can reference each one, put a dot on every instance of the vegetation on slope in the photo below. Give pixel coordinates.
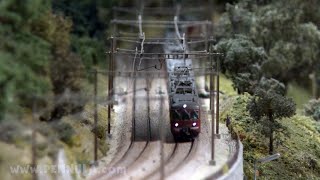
(297, 141)
(46, 49)
(287, 37)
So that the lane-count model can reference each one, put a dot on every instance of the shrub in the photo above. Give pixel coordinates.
(10, 131)
(312, 108)
(65, 131)
(318, 127)
(100, 131)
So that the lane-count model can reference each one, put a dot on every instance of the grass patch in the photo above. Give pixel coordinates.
(299, 94)
(226, 86)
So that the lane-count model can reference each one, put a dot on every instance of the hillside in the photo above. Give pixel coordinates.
(298, 142)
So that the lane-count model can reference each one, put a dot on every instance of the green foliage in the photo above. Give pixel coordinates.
(90, 22)
(10, 131)
(85, 14)
(100, 131)
(35, 55)
(24, 63)
(18, 14)
(268, 105)
(296, 57)
(91, 51)
(241, 62)
(240, 17)
(313, 109)
(64, 131)
(288, 32)
(318, 127)
(268, 98)
(298, 143)
(226, 86)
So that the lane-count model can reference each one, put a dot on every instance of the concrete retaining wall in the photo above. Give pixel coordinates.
(236, 171)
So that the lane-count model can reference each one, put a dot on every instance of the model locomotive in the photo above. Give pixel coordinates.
(185, 119)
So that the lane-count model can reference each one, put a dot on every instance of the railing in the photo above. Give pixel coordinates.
(231, 161)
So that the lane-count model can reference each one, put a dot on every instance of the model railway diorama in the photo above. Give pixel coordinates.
(159, 89)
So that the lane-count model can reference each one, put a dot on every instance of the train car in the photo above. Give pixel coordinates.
(184, 107)
(185, 117)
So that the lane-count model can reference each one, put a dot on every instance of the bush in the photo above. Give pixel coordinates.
(100, 131)
(10, 131)
(318, 127)
(313, 109)
(65, 131)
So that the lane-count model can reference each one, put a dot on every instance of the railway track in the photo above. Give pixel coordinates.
(141, 133)
(137, 157)
(138, 144)
(176, 159)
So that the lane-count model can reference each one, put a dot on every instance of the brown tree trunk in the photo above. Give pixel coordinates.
(271, 132)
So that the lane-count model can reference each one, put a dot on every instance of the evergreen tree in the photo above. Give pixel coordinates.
(269, 105)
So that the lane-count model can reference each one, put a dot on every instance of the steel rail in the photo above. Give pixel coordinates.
(171, 157)
(191, 150)
(167, 161)
(148, 129)
(132, 142)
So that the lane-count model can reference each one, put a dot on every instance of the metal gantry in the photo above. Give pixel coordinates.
(138, 53)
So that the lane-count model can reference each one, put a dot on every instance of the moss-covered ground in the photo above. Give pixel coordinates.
(298, 142)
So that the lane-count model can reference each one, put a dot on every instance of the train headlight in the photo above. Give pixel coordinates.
(176, 124)
(194, 124)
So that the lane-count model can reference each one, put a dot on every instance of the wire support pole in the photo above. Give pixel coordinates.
(95, 156)
(212, 108)
(218, 95)
(133, 133)
(110, 83)
(33, 141)
(162, 136)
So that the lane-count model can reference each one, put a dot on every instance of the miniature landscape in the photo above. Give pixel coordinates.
(55, 103)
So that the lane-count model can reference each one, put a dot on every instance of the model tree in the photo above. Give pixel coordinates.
(269, 105)
(288, 33)
(242, 62)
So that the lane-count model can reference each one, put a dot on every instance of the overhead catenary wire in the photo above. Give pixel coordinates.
(143, 37)
(203, 52)
(161, 42)
(155, 74)
(159, 22)
(157, 58)
(134, 37)
(175, 19)
(159, 10)
(140, 25)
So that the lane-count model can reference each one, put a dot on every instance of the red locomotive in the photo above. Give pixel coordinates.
(184, 107)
